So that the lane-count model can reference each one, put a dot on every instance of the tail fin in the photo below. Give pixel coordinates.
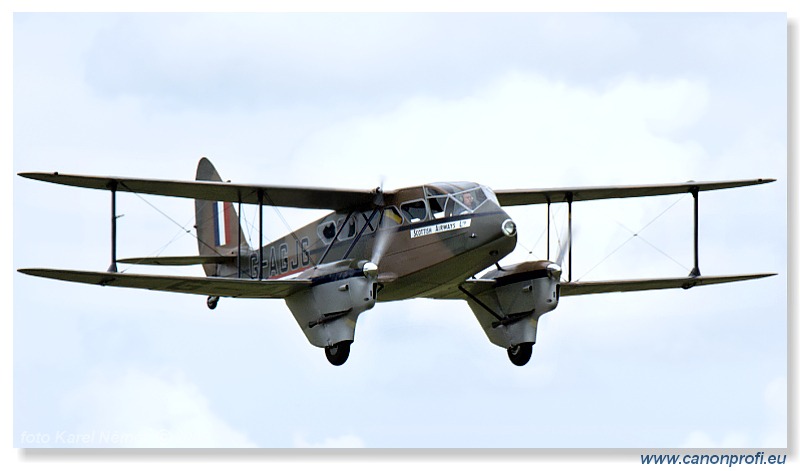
(218, 230)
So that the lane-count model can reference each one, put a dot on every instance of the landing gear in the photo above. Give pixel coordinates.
(212, 301)
(337, 353)
(520, 354)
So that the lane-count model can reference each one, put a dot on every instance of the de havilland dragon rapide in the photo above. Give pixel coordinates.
(431, 241)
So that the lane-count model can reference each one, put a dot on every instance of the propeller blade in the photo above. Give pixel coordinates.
(562, 250)
(380, 245)
(381, 237)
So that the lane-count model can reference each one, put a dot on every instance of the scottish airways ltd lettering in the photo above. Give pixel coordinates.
(437, 228)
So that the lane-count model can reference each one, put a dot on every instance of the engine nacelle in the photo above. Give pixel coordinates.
(328, 310)
(509, 311)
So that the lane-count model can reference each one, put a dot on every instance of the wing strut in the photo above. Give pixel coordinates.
(360, 233)
(260, 234)
(239, 243)
(569, 232)
(548, 228)
(112, 185)
(696, 270)
(569, 197)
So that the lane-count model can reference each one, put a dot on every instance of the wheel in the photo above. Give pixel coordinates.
(520, 354)
(212, 301)
(337, 353)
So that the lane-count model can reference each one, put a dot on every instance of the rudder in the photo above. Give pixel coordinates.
(217, 223)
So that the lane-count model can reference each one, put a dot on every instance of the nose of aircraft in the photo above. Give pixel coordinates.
(504, 233)
(509, 228)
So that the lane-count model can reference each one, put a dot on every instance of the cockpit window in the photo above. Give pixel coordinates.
(452, 199)
(468, 201)
(490, 194)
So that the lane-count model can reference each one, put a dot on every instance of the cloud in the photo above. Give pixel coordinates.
(608, 136)
(145, 410)
(699, 439)
(527, 130)
(219, 61)
(775, 399)
(772, 435)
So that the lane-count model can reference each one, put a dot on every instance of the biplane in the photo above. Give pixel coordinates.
(429, 241)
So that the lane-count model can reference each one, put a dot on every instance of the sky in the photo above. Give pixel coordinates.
(353, 100)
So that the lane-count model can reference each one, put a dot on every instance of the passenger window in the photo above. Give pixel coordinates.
(437, 206)
(391, 217)
(371, 225)
(414, 210)
(437, 201)
(349, 231)
(326, 231)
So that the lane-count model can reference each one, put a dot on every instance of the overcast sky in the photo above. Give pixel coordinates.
(350, 100)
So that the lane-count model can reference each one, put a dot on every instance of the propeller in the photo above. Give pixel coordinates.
(562, 250)
(380, 245)
(554, 270)
(381, 240)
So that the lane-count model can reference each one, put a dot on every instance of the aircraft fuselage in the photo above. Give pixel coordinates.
(426, 235)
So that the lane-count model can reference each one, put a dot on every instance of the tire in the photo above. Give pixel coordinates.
(520, 354)
(212, 301)
(337, 353)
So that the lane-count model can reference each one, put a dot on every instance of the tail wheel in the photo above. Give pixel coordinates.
(337, 353)
(212, 301)
(520, 354)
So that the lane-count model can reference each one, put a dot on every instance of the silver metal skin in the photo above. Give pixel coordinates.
(521, 294)
(327, 311)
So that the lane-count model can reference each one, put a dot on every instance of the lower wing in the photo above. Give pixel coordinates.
(226, 287)
(478, 286)
(619, 286)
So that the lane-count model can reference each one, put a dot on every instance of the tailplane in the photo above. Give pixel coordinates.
(217, 224)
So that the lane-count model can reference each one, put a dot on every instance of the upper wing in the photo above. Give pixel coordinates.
(557, 195)
(227, 287)
(294, 197)
(618, 286)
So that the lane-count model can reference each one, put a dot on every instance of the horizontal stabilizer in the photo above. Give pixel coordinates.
(558, 195)
(619, 286)
(226, 287)
(176, 261)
